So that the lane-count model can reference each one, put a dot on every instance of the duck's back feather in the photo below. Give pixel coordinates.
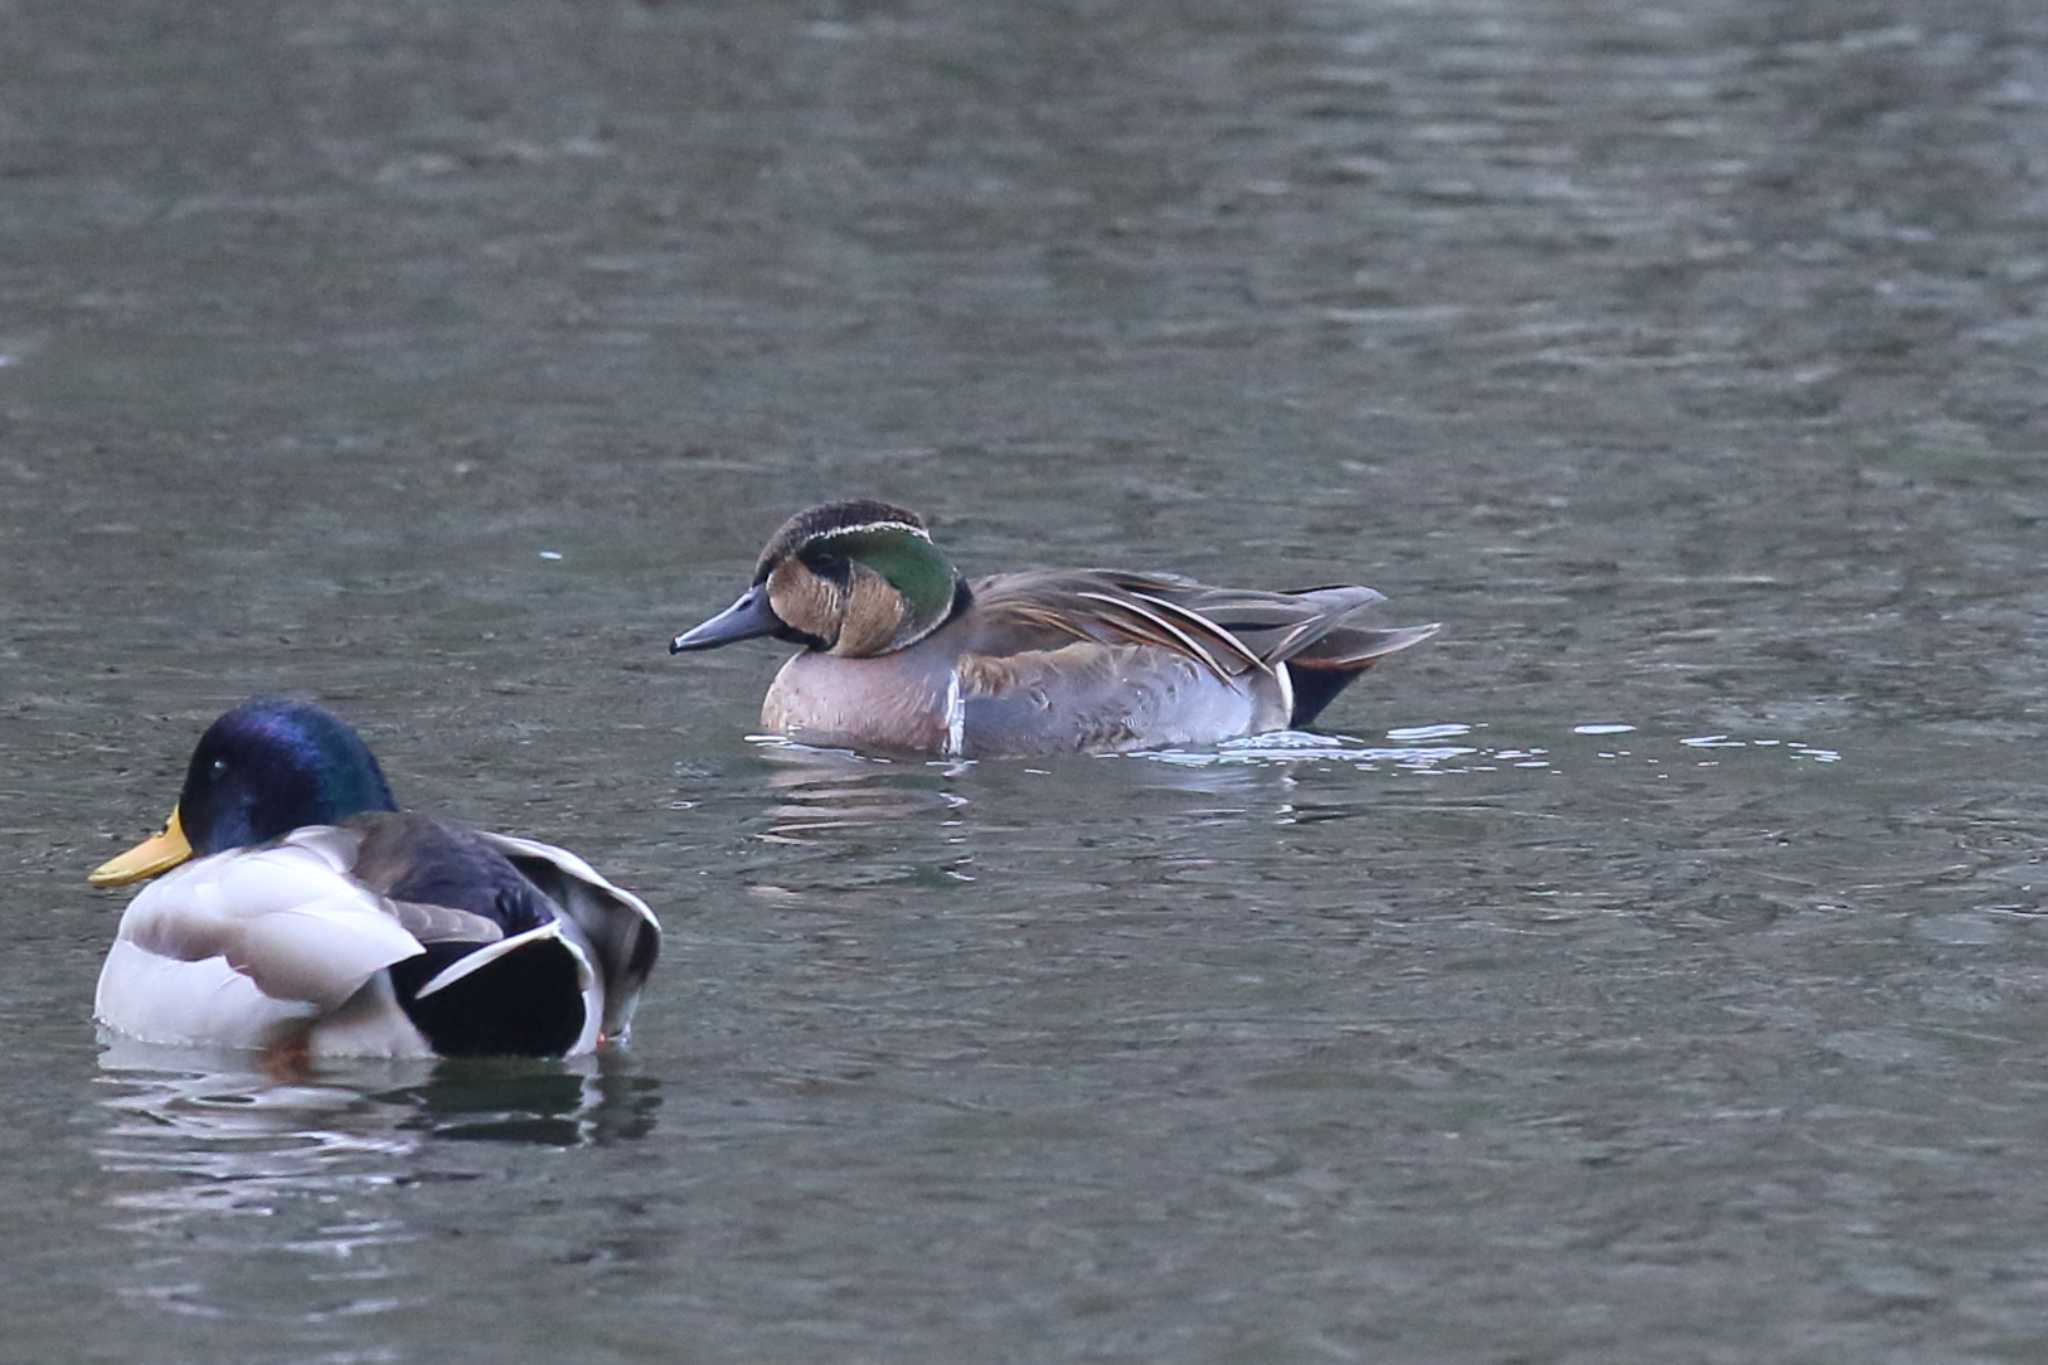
(1083, 638)
(420, 861)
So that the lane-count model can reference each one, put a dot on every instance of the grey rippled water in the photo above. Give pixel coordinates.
(1649, 968)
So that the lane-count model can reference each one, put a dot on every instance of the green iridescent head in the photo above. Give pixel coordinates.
(264, 769)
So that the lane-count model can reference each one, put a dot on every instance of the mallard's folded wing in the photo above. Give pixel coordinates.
(229, 949)
(430, 923)
(284, 916)
(622, 932)
(469, 964)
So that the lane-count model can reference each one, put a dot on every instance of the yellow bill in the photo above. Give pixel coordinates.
(158, 853)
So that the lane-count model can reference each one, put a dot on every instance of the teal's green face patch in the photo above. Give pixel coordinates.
(905, 559)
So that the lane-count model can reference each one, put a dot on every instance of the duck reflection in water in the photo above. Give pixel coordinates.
(818, 790)
(300, 1207)
(205, 1112)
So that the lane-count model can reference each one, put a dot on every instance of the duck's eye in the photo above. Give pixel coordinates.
(835, 568)
(220, 766)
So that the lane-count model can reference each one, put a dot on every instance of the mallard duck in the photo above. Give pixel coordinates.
(901, 652)
(308, 915)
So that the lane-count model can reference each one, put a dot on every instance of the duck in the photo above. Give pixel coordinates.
(901, 652)
(293, 909)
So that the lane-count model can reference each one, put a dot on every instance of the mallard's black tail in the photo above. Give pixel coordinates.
(527, 1001)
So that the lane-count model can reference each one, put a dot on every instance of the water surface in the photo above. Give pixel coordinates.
(1649, 968)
